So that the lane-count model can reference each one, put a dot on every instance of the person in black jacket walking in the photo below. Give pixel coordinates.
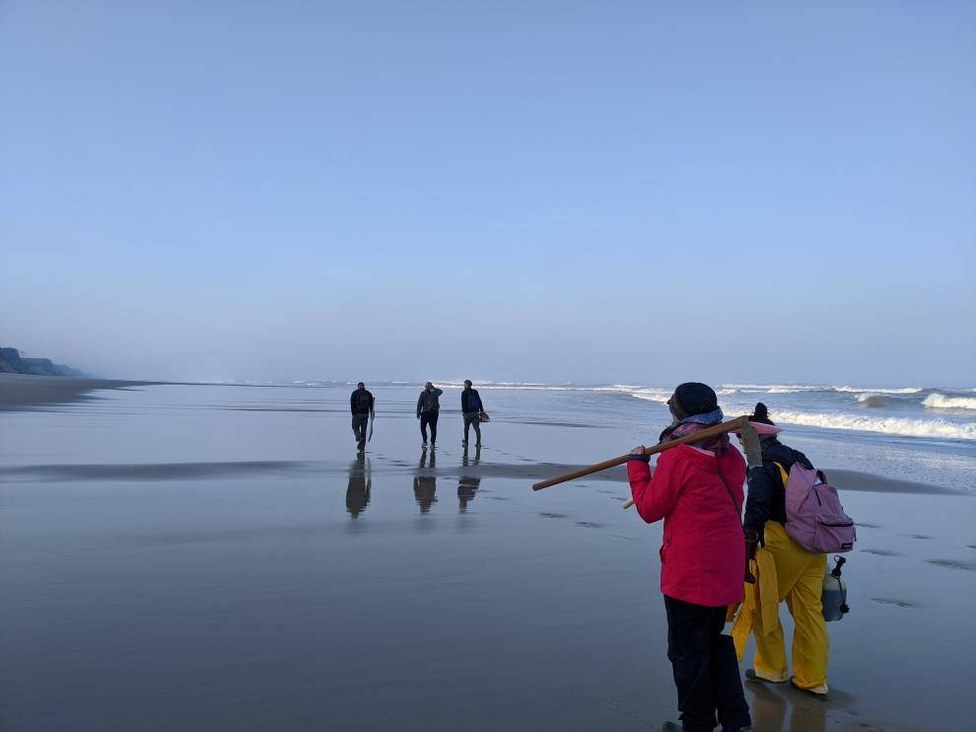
(471, 408)
(799, 573)
(362, 405)
(428, 409)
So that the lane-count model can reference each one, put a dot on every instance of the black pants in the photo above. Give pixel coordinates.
(359, 424)
(472, 419)
(429, 418)
(706, 670)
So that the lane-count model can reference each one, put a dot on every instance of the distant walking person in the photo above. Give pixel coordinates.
(428, 408)
(799, 573)
(362, 405)
(471, 408)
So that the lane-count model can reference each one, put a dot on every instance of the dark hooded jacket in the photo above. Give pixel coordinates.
(361, 402)
(429, 401)
(471, 401)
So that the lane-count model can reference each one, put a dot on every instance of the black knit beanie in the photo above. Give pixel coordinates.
(760, 414)
(692, 398)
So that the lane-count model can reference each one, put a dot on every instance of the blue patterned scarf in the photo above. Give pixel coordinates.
(695, 423)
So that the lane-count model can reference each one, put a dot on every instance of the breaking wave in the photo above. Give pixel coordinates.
(886, 425)
(941, 401)
(880, 390)
(660, 396)
(873, 400)
(727, 389)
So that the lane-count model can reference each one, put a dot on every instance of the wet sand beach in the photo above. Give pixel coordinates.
(19, 391)
(203, 558)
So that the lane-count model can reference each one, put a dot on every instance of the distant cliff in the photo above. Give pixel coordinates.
(11, 362)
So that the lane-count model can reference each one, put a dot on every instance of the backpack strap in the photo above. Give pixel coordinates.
(784, 474)
(721, 475)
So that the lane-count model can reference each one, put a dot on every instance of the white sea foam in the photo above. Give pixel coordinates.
(771, 388)
(660, 396)
(935, 428)
(806, 388)
(880, 390)
(941, 401)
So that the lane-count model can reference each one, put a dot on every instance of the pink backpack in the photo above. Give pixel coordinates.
(814, 517)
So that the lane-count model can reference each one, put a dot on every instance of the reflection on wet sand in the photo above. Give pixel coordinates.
(360, 483)
(774, 712)
(424, 482)
(468, 484)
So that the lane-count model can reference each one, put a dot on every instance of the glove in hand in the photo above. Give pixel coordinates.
(750, 443)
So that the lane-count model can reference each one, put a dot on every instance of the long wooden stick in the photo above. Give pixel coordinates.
(713, 431)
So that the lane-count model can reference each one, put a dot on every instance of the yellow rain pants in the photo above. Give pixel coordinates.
(799, 580)
(758, 614)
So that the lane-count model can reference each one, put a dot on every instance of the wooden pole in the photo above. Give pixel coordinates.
(713, 431)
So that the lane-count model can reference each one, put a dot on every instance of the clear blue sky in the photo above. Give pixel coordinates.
(553, 191)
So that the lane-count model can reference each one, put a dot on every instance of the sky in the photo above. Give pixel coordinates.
(622, 192)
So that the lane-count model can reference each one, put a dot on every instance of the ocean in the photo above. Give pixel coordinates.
(205, 557)
(919, 434)
(923, 434)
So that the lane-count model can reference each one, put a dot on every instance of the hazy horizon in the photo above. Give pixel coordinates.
(546, 193)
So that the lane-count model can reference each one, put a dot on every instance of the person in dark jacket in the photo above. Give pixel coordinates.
(471, 409)
(799, 573)
(697, 489)
(362, 405)
(428, 408)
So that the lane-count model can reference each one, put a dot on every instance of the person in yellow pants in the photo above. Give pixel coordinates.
(799, 573)
(799, 579)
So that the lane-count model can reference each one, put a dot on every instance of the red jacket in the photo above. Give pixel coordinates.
(703, 555)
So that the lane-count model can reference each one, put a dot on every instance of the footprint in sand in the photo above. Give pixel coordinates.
(589, 524)
(880, 552)
(861, 524)
(546, 514)
(917, 536)
(953, 564)
(893, 601)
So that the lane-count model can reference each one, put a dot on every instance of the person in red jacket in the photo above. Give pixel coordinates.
(697, 488)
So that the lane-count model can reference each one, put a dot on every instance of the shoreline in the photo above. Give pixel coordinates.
(19, 392)
(847, 481)
(23, 391)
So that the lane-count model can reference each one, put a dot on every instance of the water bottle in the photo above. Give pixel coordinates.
(834, 594)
